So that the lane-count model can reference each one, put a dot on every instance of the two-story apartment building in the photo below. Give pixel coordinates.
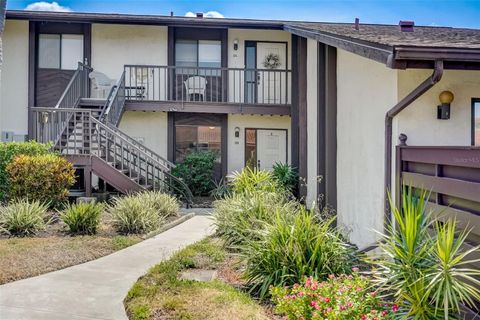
(330, 99)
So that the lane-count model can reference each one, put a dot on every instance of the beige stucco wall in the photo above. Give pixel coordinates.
(366, 90)
(151, 127)
(14, 81)
(113, 46)
(419, 120)
(236, 146)
(312, 124)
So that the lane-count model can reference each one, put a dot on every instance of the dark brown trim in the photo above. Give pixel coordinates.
(171, 136)
(114, 18)
(474, 100)
(437, 53)
(87, 44)
(327, 125)
(302, 114)
(380, 53)
(178, 106)
(224, 146)
(294, 108)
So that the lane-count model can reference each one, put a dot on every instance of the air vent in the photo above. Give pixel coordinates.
(406, 26)
(199, 14)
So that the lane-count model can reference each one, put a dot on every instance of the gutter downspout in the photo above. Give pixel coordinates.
(402, 104)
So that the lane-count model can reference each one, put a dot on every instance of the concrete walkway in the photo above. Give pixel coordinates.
(96, 289)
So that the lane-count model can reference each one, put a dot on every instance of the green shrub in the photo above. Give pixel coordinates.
(253, 180)
(130, 214)
(8, 151)
(197, 172)
(23, 218)
(164, 204)
(240, 217)
(338, 298)
(427, 272)
(82, 218)
(46, 178)
(291, 249)
(221, 189)
(286, 176)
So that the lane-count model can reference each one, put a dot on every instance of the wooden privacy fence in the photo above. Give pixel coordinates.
(451, 174)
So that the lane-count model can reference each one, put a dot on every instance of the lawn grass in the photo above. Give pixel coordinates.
(31, 256)
(161, 295)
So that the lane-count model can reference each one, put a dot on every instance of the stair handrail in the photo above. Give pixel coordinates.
(184, 189)
(115, 103)
(76, 88)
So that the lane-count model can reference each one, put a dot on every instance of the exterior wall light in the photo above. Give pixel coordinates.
(443, 110)
(235, 44)
(237, 132)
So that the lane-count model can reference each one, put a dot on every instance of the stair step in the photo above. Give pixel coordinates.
(92, 102)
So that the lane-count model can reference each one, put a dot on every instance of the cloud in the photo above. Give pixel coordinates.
(208, 14)
(47, 6)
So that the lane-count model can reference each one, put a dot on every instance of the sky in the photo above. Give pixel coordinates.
(455, 13)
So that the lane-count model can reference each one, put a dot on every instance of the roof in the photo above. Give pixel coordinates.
(87, 17)
(391, 36)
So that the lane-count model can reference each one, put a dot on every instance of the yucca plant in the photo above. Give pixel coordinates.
(288, 250)
(130, 214)
(166, 205)
(285, 175)
(421, 269)
(23, 217)
(82, 218)
(253, 180)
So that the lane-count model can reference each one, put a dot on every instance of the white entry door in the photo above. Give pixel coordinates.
(272, 82)
(271, 148)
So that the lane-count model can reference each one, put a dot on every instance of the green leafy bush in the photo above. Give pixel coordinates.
(197, 172)
(338, 298)
(131, 214)
(82, 218)
(253, 180)
(164, 204)
(291, 249)
(286, 176)
(221, 189)
(240, 217)
(46, 177)
(8, 151)
(23, 218)
(426, 271)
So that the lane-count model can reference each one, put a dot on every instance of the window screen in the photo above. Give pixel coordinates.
(60, 51)
(72, 51)
(49, 51)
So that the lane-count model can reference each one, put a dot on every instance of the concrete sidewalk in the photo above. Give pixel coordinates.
(96, 289)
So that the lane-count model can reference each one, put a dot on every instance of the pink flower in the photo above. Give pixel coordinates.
(394, 308)
(355, 269)
(315, 305)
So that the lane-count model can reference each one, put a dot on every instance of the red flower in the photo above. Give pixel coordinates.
(394, 308)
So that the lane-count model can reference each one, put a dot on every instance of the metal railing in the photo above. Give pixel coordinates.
(113, 108)
(85, 135)
(207, 85)
(77, 88)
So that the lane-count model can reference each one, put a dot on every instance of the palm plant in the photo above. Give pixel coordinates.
(424, 270)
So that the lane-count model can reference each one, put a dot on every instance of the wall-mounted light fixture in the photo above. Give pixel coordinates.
(237, 132)
(443, 110)
(235, 44)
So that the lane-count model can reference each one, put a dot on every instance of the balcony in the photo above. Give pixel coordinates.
(202, 89)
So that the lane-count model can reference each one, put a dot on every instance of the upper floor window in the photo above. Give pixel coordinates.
(198, 53)
(60, 51)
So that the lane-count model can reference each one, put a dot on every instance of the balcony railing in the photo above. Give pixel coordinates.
(208, 85)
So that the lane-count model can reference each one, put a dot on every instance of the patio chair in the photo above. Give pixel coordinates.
(101, 84)
(196, 85)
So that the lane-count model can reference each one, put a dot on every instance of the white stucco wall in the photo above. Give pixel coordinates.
(419, 120)
(366, 90)
(236, 146)
(312, 124)
(14, 81)
(152, 127)
(113, 46)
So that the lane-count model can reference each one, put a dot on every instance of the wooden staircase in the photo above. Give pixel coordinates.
(85, 132)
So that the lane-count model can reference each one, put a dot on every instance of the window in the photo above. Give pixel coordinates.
(60, 51)
(198, 53)
(191, 138)
(476, 122)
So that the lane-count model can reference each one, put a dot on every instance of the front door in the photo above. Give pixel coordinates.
(271, 148)
(271, 81)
